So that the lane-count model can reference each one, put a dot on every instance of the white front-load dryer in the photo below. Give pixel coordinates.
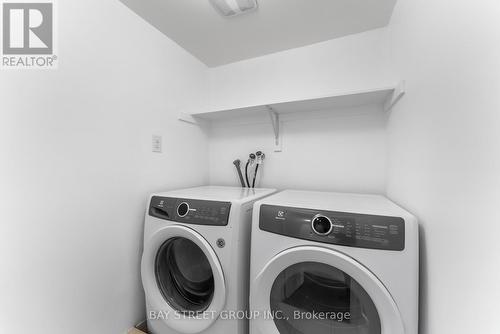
(195, 265)
(331, 263)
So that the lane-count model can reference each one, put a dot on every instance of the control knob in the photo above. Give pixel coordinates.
(183, 209)
(321, 225)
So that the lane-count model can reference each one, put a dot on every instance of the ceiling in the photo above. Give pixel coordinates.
(277, 25)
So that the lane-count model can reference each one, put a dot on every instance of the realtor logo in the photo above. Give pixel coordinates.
(28, 35)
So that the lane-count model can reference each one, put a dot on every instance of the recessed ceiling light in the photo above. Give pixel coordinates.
(234, 7)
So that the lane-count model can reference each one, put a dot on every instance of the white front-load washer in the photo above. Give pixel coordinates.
(332, 263)
(195, 265)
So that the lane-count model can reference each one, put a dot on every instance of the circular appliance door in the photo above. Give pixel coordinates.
(183, 279)
(318, 290)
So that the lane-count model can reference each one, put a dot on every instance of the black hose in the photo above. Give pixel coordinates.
(246, 173)
(238, 169)
(255, 175)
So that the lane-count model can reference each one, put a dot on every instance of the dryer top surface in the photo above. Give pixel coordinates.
(344, 202)
(218, 193)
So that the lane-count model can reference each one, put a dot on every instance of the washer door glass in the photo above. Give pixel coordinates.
(184, 275)
(311, 297)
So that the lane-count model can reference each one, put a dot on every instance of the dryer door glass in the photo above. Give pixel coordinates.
(313, 297)
(184, 275)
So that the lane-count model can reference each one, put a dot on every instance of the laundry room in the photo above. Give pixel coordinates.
(249, 166)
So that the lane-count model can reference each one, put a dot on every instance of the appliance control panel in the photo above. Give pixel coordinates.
(190, 211)
(332, 227)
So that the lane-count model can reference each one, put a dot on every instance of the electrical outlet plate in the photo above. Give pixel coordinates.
(156, 144)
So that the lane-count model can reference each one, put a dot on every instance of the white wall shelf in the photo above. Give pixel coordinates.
(385, 97)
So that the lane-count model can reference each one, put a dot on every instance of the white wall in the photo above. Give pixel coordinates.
(444, 156)
(76, 166)
(346, 64)
(344, 150)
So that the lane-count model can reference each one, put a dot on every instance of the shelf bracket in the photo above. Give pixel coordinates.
(398, 93)
(188, 119)
(275, 121)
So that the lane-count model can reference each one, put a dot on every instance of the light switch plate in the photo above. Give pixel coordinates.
(156, 144)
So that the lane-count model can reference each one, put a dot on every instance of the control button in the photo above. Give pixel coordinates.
(321, 225)
(221, 243)
(183, 209)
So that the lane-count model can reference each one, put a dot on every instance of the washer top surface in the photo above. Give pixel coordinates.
(344, 202)
(218, 193)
